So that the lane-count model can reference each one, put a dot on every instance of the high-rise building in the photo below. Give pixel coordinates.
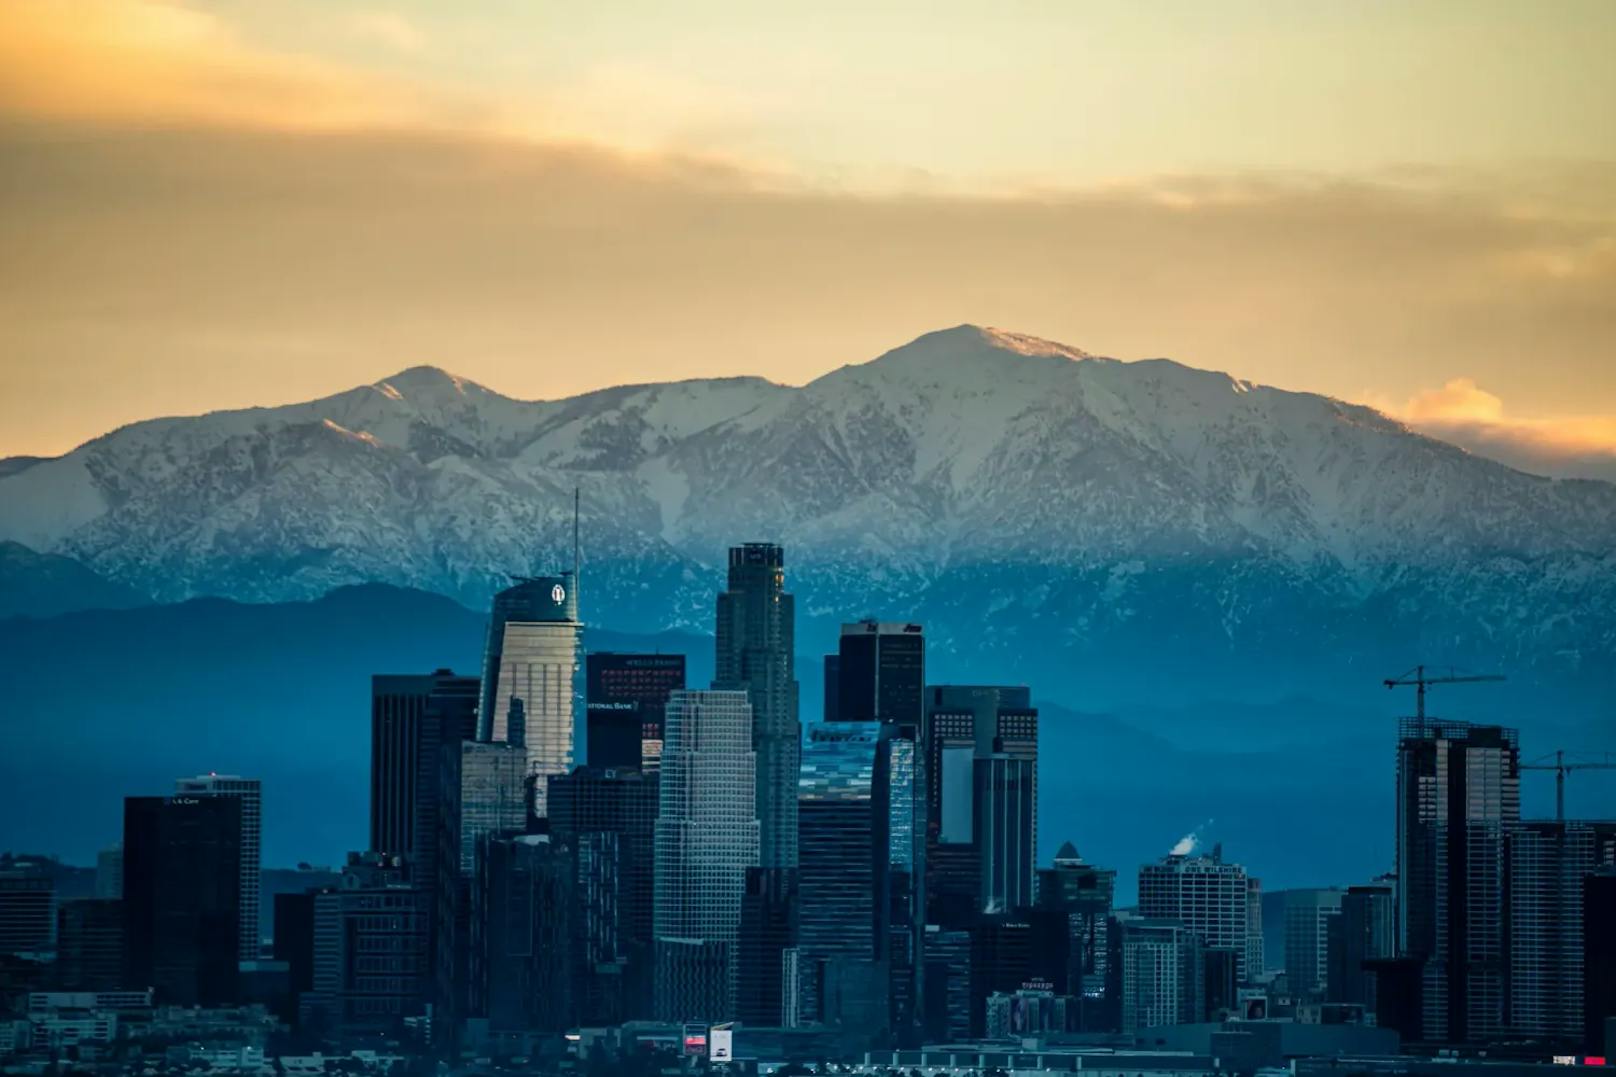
(900, 779)
(182, 896)
(1005, 809)
(768, 933)
(707, 835)
(623, 803)
(371, 967)
(1011, 951)
(1544, 865)
(109, 871)
(946, 964)
(964, 723)
(1599, 962)
(529, 670)
(881, 673)
(1308, 914)
(833, 687)
(1085, 894)
(529, 927)
(294, 945)
(1458, 791)
(89, 945)
(250, 792)
(844, 856)
(27, 906)
(625, 700)
(482, 789)
(755, 653)
(411, 717)
(1255, 955)
(1160, 974)
(1365, 930)
(1204, 893)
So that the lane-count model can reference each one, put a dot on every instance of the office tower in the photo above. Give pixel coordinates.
(1085, 894)
(529, 924)
(946, 962)
(1010, 951)
(881, 673)
(89, 945)
(529, 669)
(371, 966)
(625, 700)
(706, 837)
(182, 896)
(482, 790)
(1365, 930)
(623, 803)
(964, 723)
(1599, 962)
(1308, 914)
(1544, 865)
(601, 984)
(250, 792)
(109, 872)
(1206, 895)
(768, 933)
(294, 945)
(1458, 790)
(756, 654)
(900, 779)
(1004, 828)
(1160, 974)
(844, 855)
(411, 717)
(1255, 964)
(1220, 983)
(27, 906)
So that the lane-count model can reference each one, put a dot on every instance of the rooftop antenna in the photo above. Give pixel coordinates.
(575, 548)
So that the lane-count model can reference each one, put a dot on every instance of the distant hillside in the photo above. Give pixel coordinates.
(34, 584)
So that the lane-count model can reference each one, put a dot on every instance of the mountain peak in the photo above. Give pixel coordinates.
(417, 381)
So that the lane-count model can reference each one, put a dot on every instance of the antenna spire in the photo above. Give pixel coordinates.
(575, 548)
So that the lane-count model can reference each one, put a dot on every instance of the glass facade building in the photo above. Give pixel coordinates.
(625, 701)
(881, 673)
(250, 792)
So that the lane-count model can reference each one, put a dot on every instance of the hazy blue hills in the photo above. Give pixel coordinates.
(34, 584)
(107, 703)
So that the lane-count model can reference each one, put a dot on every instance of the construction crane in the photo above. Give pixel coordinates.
(1420, 681)
(1560, 766)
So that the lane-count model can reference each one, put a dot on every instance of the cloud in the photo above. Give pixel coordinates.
(1573, 446)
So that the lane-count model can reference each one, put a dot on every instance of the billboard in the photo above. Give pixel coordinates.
(721, 1043)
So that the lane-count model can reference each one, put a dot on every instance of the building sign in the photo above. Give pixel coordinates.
(721, 1043)
(695, 1040)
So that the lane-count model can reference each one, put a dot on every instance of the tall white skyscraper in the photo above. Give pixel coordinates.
(706, 838)
(529, 675)
(250, 793)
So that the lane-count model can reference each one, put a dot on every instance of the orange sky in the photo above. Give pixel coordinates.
(238, 203)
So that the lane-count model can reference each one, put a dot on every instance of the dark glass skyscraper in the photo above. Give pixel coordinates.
(182, 896)
(529, 930)
(1084, 893)
(756, 654)
(250, 792)
(1458, 790)
(411, 717)
(965, 723)
(89, 945)
(625, 700)
(881, 673)
(1365, 930)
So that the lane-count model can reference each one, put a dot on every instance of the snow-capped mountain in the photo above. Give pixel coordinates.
(1044, 511)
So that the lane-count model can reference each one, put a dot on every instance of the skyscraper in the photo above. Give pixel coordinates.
(1308, 914)
(1458, 790)
(250, 792)
(1160, 974)
(182, 896)
(1005, 808)
(625, 700)
(1206, 895)
(1365, 930)
(527, 918)
(900, 779)
(1599, 961)
(1544, 866)
(1085, 893)
(623, 803)
(371, 966)
(881, 673)
(965, 723)
(767, 974)
(707, 835)
(89, 945)
(756, 654)
(529, 671)
(844, 856)
(411, 717)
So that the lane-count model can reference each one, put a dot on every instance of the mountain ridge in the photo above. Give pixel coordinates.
(1049, 510)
